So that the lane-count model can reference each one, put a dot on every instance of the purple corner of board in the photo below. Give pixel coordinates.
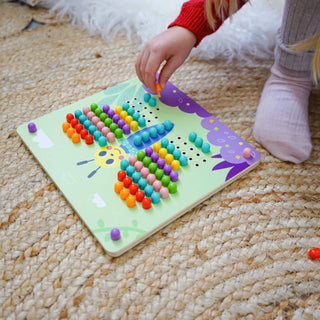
(218, 134)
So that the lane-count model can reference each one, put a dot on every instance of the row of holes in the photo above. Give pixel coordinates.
(196, 164)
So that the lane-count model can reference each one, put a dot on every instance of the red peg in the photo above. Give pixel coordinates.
(139, 195)
(314, 253)
(133, 189)
(121, 175)
(146, 203)
(69, 117)
(127, 182)
(89, 139)
(84, 133)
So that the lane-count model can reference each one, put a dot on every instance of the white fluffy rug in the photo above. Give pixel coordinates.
(251, 31)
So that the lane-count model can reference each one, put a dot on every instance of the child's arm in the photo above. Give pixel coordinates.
(173, 46)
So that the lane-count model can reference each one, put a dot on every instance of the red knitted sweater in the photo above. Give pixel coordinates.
(193, 17)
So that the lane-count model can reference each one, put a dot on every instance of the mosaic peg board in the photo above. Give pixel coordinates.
(87, 173)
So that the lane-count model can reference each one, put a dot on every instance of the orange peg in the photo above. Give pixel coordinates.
(70, 132)
(65, 126)
(75, 138)
(158, 88)
(131, 201)
(124, 194)
(118, 187)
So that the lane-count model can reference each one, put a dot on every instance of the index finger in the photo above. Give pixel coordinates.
(140, 65)
(153, 64)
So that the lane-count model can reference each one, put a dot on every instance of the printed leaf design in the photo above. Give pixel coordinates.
(126, 231)
(117, 95)
(101, 223)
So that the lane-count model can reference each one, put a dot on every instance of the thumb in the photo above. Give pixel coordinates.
(168, 69)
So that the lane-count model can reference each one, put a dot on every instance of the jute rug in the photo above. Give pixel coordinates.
(242, 254)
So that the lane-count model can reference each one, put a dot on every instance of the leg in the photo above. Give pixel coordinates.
(281, 124)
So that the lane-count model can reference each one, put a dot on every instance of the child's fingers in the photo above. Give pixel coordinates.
(140, 65)
(168, 69)
(146, 67)
(137, 65)
(152, 66)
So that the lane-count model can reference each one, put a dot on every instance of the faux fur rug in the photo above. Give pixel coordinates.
(250, 32)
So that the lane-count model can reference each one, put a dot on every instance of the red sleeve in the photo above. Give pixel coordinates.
(193, 17)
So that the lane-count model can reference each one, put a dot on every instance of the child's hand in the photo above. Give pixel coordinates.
(172, 46)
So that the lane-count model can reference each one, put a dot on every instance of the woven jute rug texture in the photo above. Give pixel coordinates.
(242, 254)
